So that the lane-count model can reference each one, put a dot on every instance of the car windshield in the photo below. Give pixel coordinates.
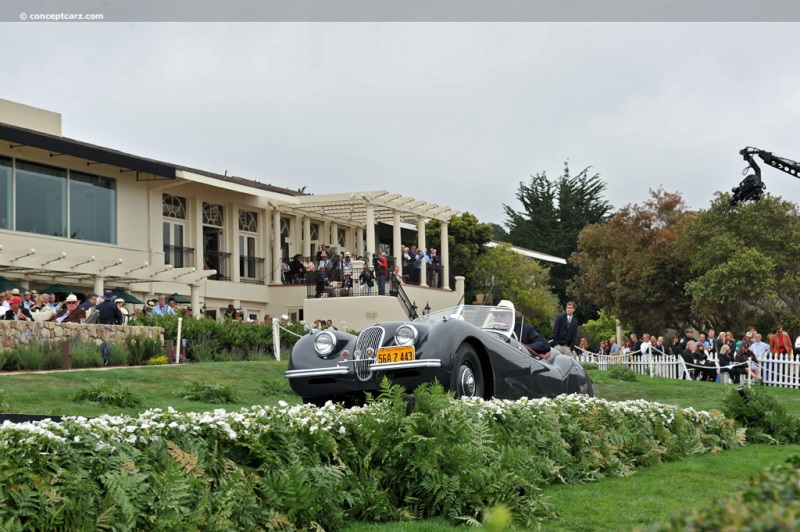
(486, 317)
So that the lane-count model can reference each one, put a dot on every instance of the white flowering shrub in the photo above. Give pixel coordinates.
(302, 466)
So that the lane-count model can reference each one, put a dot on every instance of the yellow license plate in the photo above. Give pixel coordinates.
(390, 355)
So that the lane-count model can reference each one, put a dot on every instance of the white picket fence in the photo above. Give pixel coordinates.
(774, 370)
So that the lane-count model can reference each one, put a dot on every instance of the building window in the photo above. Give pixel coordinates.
(173, 207)
(41, 194)
(340, 238)
(248, 221)
(212, 215)
(92, 208)
(314, 232)
(6, 217)
(286, 231)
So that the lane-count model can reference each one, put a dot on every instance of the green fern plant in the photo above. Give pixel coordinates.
(105, 393)
(208, 393)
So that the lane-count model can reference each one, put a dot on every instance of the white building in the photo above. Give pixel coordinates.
(94, 218)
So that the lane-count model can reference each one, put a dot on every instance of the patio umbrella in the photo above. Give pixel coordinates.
(180, 299)
(5, 284)
(61, 289)
(126, 297)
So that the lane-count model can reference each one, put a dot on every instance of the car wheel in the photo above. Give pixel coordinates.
(468, 375)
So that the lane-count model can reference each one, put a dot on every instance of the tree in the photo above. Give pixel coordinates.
(520, 279)
(466, 239)
(553, 215)
(632, 266)
(744, 261)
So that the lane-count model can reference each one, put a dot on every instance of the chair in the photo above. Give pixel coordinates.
(42, 315)
(479, 299)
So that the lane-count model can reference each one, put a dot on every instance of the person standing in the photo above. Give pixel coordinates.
(90, 303)
(107, 312)
(382, 267)
(780, 343)
(565, 329)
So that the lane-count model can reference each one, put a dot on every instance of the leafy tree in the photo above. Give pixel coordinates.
(523, 280)
(744, 262)
(466, 239)
(632, 266)
(553, 214)
(500, 234)
(603, 328)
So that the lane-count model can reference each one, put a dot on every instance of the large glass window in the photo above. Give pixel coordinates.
(5, 193)
(41, 205)
(92, 208)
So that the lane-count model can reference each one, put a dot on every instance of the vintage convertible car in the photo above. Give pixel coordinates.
(469, 349)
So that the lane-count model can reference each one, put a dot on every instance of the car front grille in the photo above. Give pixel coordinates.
(366, 350)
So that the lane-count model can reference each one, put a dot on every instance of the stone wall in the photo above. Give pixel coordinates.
(24, 332)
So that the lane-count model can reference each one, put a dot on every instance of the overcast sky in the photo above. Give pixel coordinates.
(450, 113)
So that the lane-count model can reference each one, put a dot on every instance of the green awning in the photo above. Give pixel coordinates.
(180, 299)
(5, 284)
(126, 297)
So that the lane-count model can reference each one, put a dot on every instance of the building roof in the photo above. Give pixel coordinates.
(528, 252)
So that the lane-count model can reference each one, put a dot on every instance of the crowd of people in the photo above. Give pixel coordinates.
(708, 356)
(108, 310)
(331, 268)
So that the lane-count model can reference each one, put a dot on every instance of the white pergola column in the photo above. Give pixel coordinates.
(334, 235)
(371, 230)
(360, 240)
(396, 242)
(306, 236)
(266, 245)
(444, 256)
(195, 296)
(98, 285)
(423, 277)
(231, 221)
(276, 246)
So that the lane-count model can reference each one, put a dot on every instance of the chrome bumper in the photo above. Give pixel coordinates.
(343, 370)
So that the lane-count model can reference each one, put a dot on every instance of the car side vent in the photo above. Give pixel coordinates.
(366, 350)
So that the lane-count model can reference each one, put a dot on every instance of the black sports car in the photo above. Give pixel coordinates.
(469, 349)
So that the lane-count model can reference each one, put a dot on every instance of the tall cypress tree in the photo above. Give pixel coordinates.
(553, 214)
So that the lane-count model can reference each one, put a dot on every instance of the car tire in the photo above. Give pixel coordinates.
(467, 380)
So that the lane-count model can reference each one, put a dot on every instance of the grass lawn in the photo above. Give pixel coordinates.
(650, 495)
(51, 393)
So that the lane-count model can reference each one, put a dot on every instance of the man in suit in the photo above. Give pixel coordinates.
(70, 311)
(107, 312)
(564, 330)
(525, 332)
(16, 312)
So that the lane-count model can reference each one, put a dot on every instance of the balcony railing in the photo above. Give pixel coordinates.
(179, 257)
(220, 261)
(251, 269)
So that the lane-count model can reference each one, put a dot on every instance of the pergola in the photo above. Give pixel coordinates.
(365, 209)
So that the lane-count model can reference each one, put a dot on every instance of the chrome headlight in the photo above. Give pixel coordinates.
(324, 343)
(406, 335)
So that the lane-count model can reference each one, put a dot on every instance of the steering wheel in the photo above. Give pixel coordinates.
(497, 325)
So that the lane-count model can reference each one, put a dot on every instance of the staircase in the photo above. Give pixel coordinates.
(396, 289)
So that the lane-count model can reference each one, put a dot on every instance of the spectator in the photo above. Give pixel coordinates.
(90, 303)
(603, 348)
(541, 349)
(308, 264)
(322, 253)
(71, 313)
(583, 346)
(645, 346)
(330, 325)
(525, 332)
(730, 342)
(422, 258)
(677, 346)
(780, 343)
(435, 268)
(724, 360)
(742, 359)
(160, 308)
(4, 306)
(688, 337)
(412, 265)
(172, 307)
(107, 312)
(365, 281)
(16, 312)
(347, 285)
(613, 348)
(659, 348)
(382, 271)
(321, 281)
(636, 346)
(347, 264)
(230, 312)
(284, 319)
(565, 329)
(41, 303)
(713, 345)
(297, 270)
(759, 348)
(27, 301)
(626, 347)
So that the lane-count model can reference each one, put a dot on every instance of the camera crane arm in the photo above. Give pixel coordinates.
(752, 187)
